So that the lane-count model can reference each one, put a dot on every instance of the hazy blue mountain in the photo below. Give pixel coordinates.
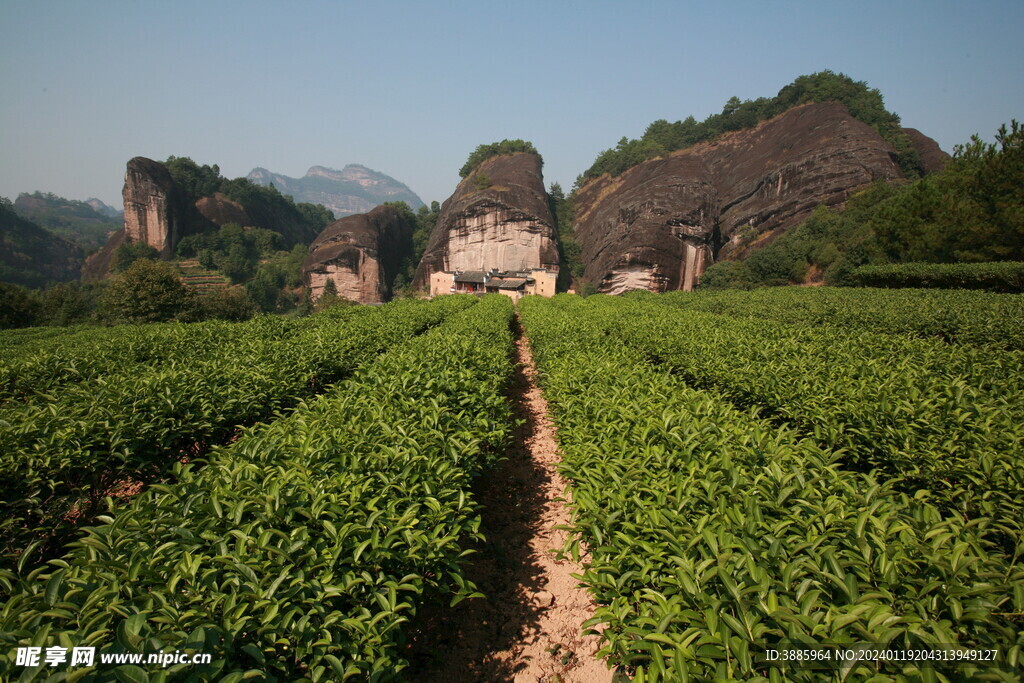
(105, 209)
(354, 189)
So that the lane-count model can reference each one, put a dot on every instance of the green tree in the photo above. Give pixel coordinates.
(207, 259)
(238, 263)
(229, 303)
(319, 217)
(264, 288)
(130, 252)
(148, 291)
(426, 219)
(18, 307)
(194, 180)
(329, 298)
(482, 181)
(69, 303)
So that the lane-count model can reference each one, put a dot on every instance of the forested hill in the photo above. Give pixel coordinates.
(864, 103)
(87, 224)
(31, 256)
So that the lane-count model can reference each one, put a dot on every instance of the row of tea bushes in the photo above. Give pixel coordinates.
(998, 276)
(947, 419)
(961, 316)
(14, 342)
(39, 365)
(60, 458)
(714, 532)
(297, 552)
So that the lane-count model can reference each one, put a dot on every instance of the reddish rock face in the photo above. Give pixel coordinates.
(97, 265)
(152, 206)
(659, 224)
(652, 231)
(498, 218)
(933, 159)
(220, 210)
(362, 254)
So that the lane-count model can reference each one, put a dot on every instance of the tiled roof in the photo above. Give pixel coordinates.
(506, 282)
(472, 276)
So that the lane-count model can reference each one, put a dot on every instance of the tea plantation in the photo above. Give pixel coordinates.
(747, 470)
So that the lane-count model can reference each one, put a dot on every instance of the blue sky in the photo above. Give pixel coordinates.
(411, 88)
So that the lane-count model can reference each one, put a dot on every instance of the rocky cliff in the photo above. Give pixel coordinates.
(362, 254)
(933, 159)
(659, 224)
(152, 206)
(154, 214)
(354, 189)
(158, 212)
(498, 218)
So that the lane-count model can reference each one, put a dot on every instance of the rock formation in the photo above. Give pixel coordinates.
(97, 265)
(99, 207)
(361, 253)
(159, 213)
(154, 213)
(933, 159)
(659, 224)
(152, 206)
(498, 218)
(220, 210)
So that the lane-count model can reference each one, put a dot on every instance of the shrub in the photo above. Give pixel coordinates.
(1000, 276)
(148, 291)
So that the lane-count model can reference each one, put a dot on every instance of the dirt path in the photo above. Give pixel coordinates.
(528, 628)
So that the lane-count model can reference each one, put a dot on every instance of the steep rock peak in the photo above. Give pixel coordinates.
(152, 205)
(497, 219)
(362, 254)
(666, 219)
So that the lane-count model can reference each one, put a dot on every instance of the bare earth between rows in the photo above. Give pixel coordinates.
(528, 628)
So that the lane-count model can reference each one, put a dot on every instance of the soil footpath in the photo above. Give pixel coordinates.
(528, 629)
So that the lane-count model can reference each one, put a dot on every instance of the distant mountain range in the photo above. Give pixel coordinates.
(87, 224)
(99, 207)
(354, 189)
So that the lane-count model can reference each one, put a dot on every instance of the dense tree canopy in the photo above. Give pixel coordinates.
(130, 252)
(570, 251)
(148, 291)
(198, 181)
(234, 251)
(424, 219)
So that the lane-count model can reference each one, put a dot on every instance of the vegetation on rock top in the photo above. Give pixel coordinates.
(197, 182)
(485, 152)
(661, 137)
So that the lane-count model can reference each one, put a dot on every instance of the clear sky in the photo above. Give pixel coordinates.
(411, 88)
